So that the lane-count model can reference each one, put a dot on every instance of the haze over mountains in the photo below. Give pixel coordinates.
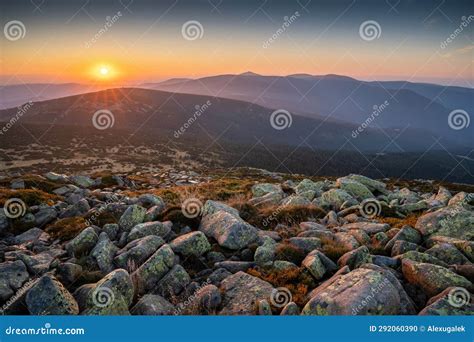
(326, 111)
(410, 105)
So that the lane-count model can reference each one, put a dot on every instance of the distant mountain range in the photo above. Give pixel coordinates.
(399, 104)
(18, 94)
(327, 112)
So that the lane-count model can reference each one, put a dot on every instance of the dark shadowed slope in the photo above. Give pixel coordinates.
(144, 110)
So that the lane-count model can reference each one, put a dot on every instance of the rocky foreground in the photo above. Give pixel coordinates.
(118, 245)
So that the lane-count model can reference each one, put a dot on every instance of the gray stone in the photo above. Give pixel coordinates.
(173, 282)
(355, 258)
(155, 268)
(262, 189)
(433, 279)
(82, 181)
(241, 293)
(83, 243)
(367, 290)
(229, 231)
(80, 208)
(137, 252)
(194, 243)
(104, 253)
(452, 221)
(149, 228)
(211, 207)
(49, 297)
(112, 295)
(153, 305)
(132, 216)
(306, 244)
(45, 216)
(13, 275)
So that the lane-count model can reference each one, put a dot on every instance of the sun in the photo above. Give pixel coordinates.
(104, 72)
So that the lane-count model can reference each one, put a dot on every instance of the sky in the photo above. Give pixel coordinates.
(132, 41)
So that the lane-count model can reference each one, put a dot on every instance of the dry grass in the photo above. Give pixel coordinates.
(396, 222)
(67, 228)
(297, 281)
(269, 217)
(291, 253)
(29, 196)
(34, 182)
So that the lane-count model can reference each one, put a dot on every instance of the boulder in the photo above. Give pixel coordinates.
(153, 305)
(262, 189)
(104, 253)
(137, 252)
(452, 301)
(318, 264)
(132, 216)
(367, 290)
(407, 233)
(272, 198)
(13, 275)
(371, 184)
(452, 221)
(432, 279)
(355, 258)
(448, 253)
(173, 282)
(80, 208)
(211, 207)
(82, 181)
(295, 201)
(112, 295)
(83, 243)
(241, 293)
(354, 188)
(334, 199)
(45, 216)
(230, 231)
(369, 227)
(149, 228)
(150, 200)
(308, 185)
(290, 309)
(194, 243)
(155, 268)
(265, 253)
(49, 297)
(306, 244)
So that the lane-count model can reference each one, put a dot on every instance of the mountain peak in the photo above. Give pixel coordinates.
(249, 73)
